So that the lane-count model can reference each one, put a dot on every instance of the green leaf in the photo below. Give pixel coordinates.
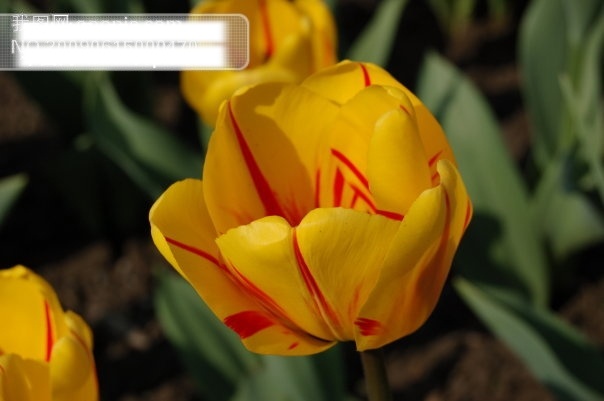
(150, 155)
(213, 354)
(553, 38)
(501, 247)
(374, 44)
(565, 216)
(555, 352)
(10, 189)
(282, 379)
(543, 57)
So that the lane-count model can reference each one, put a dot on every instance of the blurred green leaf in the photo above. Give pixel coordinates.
(565, 216)
(10, 189)
(555, 352)
(80, 6)
(150, 155)
(374, 44)
(543, 55)
(583, 101)
(282, 379)
(501, 247)
(213, 354)
(552, 43)
(453, 14)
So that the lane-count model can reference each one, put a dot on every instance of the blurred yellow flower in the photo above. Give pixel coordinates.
(289, 40)
(45, 353)
(329, 211)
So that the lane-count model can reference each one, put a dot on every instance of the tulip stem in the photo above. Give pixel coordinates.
(375, 375)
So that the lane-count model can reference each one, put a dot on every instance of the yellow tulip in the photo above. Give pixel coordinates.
(289, 40)
(45, 353)
(329, 211)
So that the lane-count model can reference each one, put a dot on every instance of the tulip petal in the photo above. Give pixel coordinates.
(29, 305)
(23, 379)
(262, 254)
(260, 163)
(417, 265)
(320, 272)
(323, 32)
(343, 250)
(206, 90)
(397, 167)
(343, 81)
(433, 137)
(182, 231)
(343, 180)
(70, 367)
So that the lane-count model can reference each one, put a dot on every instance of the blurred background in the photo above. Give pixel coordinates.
(516, 85)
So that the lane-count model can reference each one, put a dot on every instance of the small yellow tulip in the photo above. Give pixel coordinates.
(289, 40)
(329, 211)
(45, 353)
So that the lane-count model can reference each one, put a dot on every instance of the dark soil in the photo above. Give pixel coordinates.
(109, 280)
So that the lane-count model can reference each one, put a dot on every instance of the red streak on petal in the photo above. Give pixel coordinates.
(312, 286)
(210, 258)
(318, 188)
(403, 108)
(248, 323)
(338, 188)
(358, 193)
(366, 78)
(50, 340)
(293, 345)
(271, 205)
(434, 176)
(390, 215)
(266, 24)
(434, 158)
(468, 214)
(368, 327)
(341, 157)
(263, 298)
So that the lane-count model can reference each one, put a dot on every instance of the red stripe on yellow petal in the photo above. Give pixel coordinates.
(266, 27)
(313, 288)
(338, 188)
(198, 252)
(360, 194)
(390, 215)
(354, 169)
(368, 327)
(49, 332)
(403, 108)
(247, 323)
(366, 77)
(271, 205)
(293, 345)
(317, 188)
(434, 158)
(260, 296)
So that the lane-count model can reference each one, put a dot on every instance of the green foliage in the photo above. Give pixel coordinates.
(151, 156)
(374, 44)
(10, 189)
(501, 248)
(224, 369)
(557, 354)
(564, 99)
(455, 14)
